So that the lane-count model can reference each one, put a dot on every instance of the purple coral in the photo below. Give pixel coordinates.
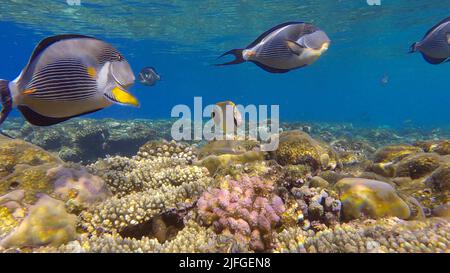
(247, 208)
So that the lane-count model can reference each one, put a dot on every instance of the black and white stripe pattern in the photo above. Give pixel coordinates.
(274, 50)
(64, 80)
(109, 54)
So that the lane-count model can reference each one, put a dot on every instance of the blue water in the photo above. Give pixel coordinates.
(183, 38)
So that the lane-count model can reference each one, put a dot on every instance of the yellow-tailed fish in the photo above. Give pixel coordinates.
(68, 76)
(283, 48)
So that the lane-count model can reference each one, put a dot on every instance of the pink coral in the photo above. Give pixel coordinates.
(246, 208)
(78, 185)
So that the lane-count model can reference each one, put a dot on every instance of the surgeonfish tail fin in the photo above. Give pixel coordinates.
(237, 53)
(6, 100)
(413, 48)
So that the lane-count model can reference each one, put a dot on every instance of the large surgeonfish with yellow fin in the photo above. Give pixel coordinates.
(68, 76)
(283, 48)
(435, 45)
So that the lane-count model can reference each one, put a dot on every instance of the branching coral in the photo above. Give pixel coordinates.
(192, 239)
(387, 235)
(246, 208)
(164, 148)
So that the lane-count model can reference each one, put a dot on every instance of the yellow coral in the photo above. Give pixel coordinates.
(213, 162)
(7, 221)
(376, 199)
(395, 153)
(47, 223)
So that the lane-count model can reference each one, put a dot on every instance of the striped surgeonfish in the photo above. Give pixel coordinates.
(283, 48)
(435, 45)
(68, 76)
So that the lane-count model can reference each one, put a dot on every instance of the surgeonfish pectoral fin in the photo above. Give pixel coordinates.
(29, 91)
(124, 97)
(448, 38)
(92, 72)
(237, 53)
(294, 47)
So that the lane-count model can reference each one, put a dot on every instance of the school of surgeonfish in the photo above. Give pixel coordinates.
(224, 111)
(148, 76)
(285, 47)
(68, 76)
(72, 75)
(435, 45)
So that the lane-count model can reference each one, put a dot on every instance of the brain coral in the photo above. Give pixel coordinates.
(47, 223)
(364, 197)
(297, 147)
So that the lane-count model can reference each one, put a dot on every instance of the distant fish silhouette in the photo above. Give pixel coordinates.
(148, 76)
(385, 79)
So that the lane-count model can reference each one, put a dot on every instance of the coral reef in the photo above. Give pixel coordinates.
(153, 183)
(86, 140)
(328, 188)
(247, 209)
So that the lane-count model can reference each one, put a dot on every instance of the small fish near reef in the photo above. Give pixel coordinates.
(224, 111)
(148, 76)
(435, 45)
(285, 47)
(68, 76)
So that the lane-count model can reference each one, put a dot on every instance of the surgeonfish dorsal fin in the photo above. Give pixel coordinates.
(436, 26)
(262, 36)
(295, 47)
(45, 43)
